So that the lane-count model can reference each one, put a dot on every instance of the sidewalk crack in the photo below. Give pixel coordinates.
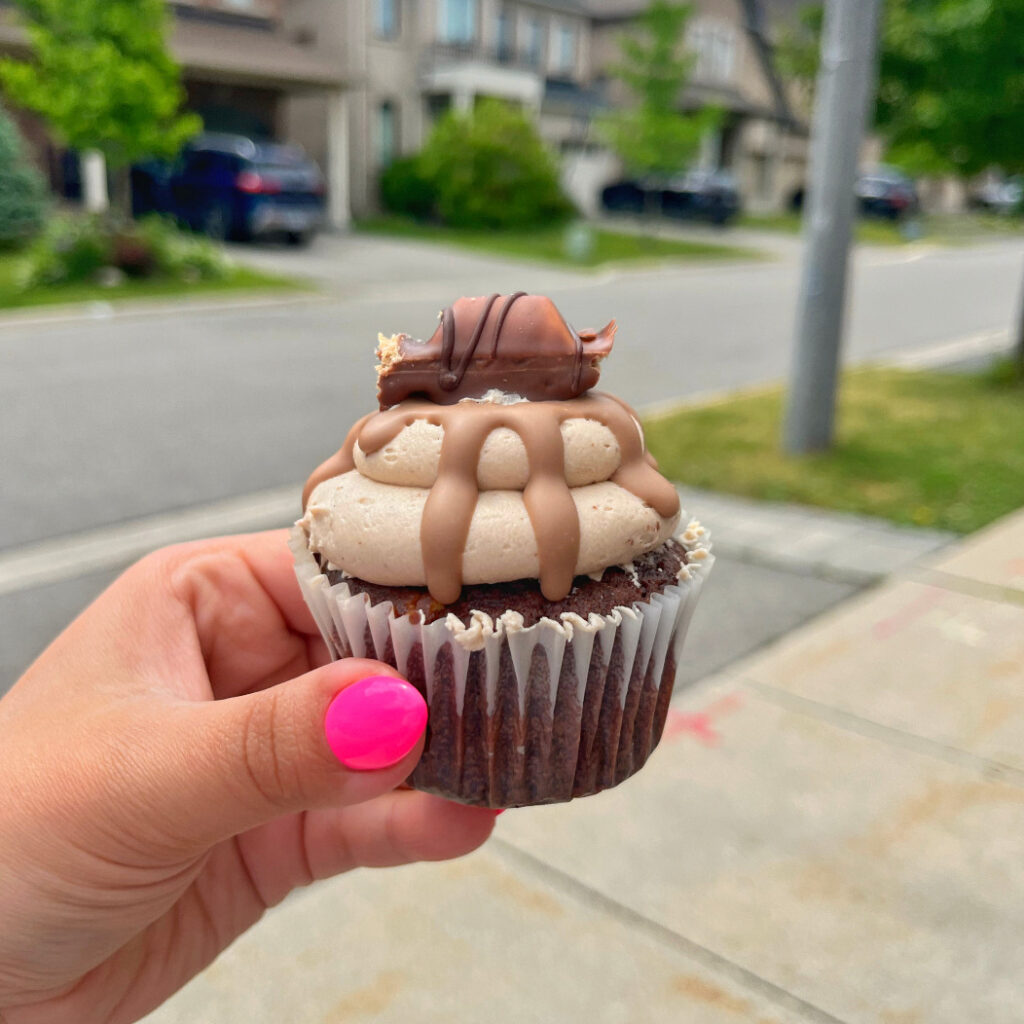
(593, 898)
(989, 769)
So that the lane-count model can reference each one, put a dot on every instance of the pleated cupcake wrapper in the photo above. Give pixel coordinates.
(523, 715)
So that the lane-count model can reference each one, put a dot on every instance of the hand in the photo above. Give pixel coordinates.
(165, 776)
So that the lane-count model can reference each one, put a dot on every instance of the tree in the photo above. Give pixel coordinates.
(102, 77)
(951, 85)
(653, 135)
(22, 191)
(951, 88)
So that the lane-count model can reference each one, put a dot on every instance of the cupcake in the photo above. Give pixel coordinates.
(498, 532)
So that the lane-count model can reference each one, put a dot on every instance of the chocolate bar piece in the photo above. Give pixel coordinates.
(518, 343)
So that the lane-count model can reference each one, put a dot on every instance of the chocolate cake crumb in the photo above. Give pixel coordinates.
(650, 574)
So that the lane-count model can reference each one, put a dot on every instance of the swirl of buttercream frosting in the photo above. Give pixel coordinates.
(411, 459)
(372, 530)
(443, 529)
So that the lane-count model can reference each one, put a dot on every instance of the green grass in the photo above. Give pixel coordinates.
(552, 245)
(873, 232)
(239, 279)
(945, 229)
(922, 448)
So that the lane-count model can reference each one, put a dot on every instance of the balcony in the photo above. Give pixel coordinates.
(466, 70)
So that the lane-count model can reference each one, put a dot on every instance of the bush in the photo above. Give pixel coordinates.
(23, 195)
(490, 169)
(406, 190)
(73, 249)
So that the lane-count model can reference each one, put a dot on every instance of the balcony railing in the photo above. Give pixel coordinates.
(452, 53)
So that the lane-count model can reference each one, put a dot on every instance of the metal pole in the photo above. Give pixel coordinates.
(845, 81)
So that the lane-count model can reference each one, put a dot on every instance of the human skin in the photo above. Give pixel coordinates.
(165, 777)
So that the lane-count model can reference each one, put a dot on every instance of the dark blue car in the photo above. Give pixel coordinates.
(230, 186)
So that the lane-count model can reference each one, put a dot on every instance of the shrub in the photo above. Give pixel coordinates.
(69, 249)
(75, 249)
(405, 189)
(490, 169)
(23, 195)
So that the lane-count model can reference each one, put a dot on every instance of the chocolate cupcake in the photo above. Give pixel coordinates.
(498, 533)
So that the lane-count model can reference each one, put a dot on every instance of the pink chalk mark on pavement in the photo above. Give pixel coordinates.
(908, 614)
(701, 724)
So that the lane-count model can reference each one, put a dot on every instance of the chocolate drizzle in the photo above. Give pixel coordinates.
(449, 510)
(451, 376)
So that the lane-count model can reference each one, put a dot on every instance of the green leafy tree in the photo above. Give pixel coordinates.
(101, 76)
(951, 85)
(490, 169)
(950, 90)
(653, 135)
(23, 198)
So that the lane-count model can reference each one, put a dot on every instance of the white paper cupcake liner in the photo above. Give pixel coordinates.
(524, 715)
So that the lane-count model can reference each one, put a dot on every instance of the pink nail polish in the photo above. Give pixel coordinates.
(374, 723)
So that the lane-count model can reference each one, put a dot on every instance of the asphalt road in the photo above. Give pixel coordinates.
(114, 417)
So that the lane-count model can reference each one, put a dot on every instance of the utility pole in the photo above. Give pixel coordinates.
(845, 82)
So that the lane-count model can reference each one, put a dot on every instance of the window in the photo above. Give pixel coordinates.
(456, 21)
(387, 133)
(564, 46)
(533, 41)
(715, 48)
(505, 35)
(385, 19)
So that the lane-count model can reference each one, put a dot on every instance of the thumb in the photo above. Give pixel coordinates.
(341, 734)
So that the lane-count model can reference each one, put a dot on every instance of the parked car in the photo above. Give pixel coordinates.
(886, 192)
(699, 195)
(231, 186)
(881, 192)
(998, 196)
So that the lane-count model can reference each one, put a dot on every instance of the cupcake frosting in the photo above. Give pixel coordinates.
(489, 485)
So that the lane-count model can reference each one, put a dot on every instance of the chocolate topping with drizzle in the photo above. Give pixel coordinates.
(515, 343)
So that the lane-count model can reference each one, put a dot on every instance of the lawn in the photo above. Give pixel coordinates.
(923, 448)
(239, 278)
(590, 247)
(945, 229)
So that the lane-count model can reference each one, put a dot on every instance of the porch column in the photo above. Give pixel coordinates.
(94, 181)
(338, 209)
(462, 100)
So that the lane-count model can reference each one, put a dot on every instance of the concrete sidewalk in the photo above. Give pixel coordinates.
(830, 831)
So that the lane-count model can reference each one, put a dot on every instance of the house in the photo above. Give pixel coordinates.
(358, 82)
(408, 61)
(760, 138)
(241, 69)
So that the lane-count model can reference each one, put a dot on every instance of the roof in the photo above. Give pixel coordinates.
(222, 52)
(243, 54)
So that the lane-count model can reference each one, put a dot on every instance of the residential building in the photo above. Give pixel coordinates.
(359, 82)
(240, 68)
(760, 138)
(408, 61)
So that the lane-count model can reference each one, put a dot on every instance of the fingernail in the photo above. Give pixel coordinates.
(374, 723)
(502, 811)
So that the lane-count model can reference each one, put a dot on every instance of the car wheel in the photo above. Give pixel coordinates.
(298, 237)
(217, 222)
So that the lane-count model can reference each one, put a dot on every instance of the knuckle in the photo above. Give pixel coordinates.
(269, 752)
